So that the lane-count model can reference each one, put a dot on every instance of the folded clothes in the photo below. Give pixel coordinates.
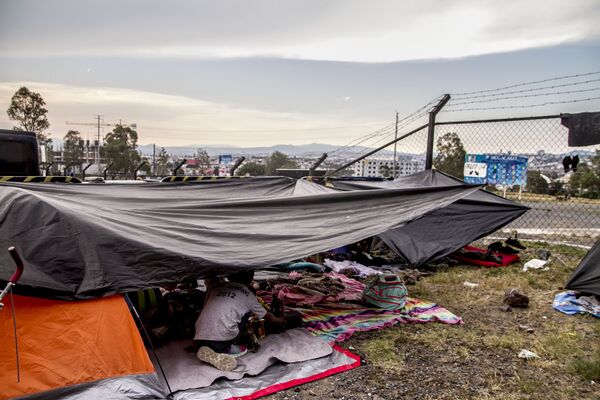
(300, 295)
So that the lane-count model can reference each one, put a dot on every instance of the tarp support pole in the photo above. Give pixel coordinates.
(431, 130)
(137, 316)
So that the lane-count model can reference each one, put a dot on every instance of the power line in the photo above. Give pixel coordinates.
(414, 115)
(528, 83)
(527, 90)
(388, 136)
(377, 133)
(523, 105)
(524, 96)
(363, 139)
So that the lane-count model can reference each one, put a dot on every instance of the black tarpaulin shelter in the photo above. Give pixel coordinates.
(586, 277)
(83, 241)
(444, 230)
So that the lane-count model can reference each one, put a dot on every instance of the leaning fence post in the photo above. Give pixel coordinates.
(313, 168)
(178, 166)
(85, 169)
(431, 130)
(105, 173)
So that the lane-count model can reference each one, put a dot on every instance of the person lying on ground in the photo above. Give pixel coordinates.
(221, 326)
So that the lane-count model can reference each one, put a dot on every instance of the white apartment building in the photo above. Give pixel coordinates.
(384, 167)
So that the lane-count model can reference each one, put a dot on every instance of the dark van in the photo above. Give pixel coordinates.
(19, 154)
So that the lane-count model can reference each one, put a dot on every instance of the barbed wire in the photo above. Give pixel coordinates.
(524, 96)
(522, 105)
(526, 90)
(527, 83)
(359, 140)
(347, 148)
(388, 135)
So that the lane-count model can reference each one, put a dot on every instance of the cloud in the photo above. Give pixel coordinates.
(355, 31)
(177, 120)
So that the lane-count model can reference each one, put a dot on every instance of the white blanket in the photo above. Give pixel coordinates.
(185, 371)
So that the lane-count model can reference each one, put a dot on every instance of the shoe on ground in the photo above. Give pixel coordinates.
(515, 243)
(221, 361)
(237, 350)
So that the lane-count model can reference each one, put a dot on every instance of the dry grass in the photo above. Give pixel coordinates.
(489, 341)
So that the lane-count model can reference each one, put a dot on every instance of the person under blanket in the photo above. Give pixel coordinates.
(221, 324)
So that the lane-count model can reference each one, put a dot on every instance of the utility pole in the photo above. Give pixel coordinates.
(376, 150)
(395, 144)
(154, 159)
(99, 124)
(431, 130)
(98, 147)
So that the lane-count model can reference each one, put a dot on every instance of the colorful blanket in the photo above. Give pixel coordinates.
(338, 322)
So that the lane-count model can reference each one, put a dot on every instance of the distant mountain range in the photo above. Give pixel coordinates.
(303, 150)
(289, 149)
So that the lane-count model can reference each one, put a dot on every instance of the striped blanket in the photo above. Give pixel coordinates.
(338, 322)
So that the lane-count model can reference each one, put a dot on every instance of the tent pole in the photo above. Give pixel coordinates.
(137, 316)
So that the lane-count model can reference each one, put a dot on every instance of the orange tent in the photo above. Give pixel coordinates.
(65, 343)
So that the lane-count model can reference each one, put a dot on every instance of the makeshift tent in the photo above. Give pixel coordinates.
(85, 241)
(444, 230)
(586, 277)
(88, 241)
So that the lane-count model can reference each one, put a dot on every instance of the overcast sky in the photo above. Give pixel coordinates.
(276, 72)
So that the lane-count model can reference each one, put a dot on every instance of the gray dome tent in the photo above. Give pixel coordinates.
(586, 278)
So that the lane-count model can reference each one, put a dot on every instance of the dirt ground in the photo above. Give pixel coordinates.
(477, 360)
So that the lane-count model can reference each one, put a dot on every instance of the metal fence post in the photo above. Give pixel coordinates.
(431, 130)
(312, 169)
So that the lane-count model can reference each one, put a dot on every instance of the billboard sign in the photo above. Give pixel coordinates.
(495, 169)
(225, 159)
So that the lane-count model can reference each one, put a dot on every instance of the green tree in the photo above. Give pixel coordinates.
(203, 159)
(73, 148)
(251, 168)
(450, 156)
(535, 183)
(586, 181)
(595, 161)
(28, 109)
(278, 160)
(163, 166)
(120, 149)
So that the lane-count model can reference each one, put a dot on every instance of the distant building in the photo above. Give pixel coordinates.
(405, 165)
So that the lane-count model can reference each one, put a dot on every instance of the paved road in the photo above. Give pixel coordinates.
(560, 218)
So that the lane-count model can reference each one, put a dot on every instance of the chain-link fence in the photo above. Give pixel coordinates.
(563, 183)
